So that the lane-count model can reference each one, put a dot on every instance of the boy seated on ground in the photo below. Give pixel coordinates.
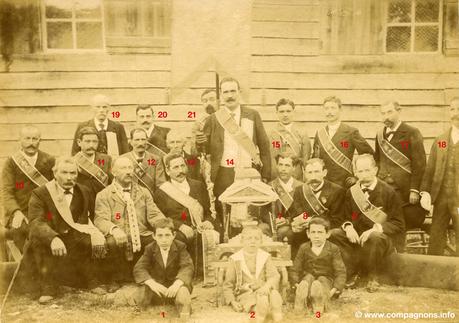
(318, 271)
(165, 270)
(251, 279)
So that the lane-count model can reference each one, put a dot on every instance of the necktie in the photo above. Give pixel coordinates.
(103, 139)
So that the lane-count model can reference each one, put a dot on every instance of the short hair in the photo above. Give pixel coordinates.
(314, 161)
(171, 156)
(294, 159)
(175, 132)
(143, 107)
(164, 223)
(363, 156)
(100, 98)
(87, 131)
(137, 129)
(393, 103)
(117, 160)
(319, 221)
(64, 160)
(334, 99)
(284, 101)
(229, 79)
(207, 91)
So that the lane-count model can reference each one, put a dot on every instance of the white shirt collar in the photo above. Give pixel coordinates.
(288, 127)
(61, 189)
(318, 188)
(395, 128)
(287, 186)
(317, 250)
(372, 185)
(164, 255)
(31, 159)
(183, 186)
(237, 113)
(334, 126)
(97, 123)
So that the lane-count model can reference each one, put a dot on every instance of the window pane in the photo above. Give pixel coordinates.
(123, 18)
(59, 35)
(58, 8)
(398, 39)
(87, 9)
(427, 10)
(89, 35)
(399, 11)
(426, 39)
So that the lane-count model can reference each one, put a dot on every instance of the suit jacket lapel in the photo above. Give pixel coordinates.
(114, 194)
(336, 137)
(41, 162)
(158, 257)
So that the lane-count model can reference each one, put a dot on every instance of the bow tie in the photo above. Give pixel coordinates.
(139, 160)
(67, 192)
(366, 190)
(128, 190)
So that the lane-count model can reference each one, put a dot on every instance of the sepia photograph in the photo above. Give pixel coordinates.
(229, 161)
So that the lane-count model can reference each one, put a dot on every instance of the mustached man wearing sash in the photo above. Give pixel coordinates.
(60, 215)
(94, 168)
(373, 217)
(316, 197)
(336, 143)
(401, 160)
(156, 143)
(125, 213)
(24, 171)
(148, 168)
(235, 137)
(112, 136)
(289, 138)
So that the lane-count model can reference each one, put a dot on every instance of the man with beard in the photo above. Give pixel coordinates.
(440, 184)
(373, 217)
(125, 214)
(24, 171)
(61, 230)
(210, 104)
(156, 135)
(112, 136)
(148, 168)
(336, 143)
(93, 167)
(316, 197)
(288, 137)
(401, 161)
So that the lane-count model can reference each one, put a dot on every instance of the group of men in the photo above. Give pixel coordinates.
(100, 206)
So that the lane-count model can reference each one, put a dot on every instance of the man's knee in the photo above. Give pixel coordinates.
(303, 289)
(183, 296)
(317, 290)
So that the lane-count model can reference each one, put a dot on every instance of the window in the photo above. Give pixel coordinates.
(413, 26)
(72, 25)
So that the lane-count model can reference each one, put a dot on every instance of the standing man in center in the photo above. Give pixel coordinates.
(235, 138)
(156, 135)
(336, 143)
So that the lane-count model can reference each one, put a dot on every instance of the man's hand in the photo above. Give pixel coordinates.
(58, 247)
(426, 201)
(120, 237)
(173, 289)
(237, 306)
(365, 235)
(414, 197)
(98, 244)
(156, 287)
(351, 234)
(206, 225)
(18, 217)
(187, 231)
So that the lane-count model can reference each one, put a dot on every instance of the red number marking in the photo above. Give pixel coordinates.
(49, 216)
(305, 215)
(318, 315)
(101, 162)
(184, 216)
(117, 215)
(354, 216)
(344, 144)
(279, 215)
(19, 185)
(252, 315)
(405, 144)
(191, 114)
(162, 114)
(276, 144)
(152, 162)
(191, 162)
(230, 162)
(116, 114)
(442, 144)
(163, 314)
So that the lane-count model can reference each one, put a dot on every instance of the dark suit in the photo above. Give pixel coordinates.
(379, 245)
(193, 164)
(84, 178)
(441, 181)
(18, 199)
(354, 140)
(112, 126)
(158, 138)
(46, 223)
(408, 140)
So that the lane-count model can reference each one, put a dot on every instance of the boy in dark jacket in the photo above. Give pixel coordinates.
(318, 271)
(165, 270)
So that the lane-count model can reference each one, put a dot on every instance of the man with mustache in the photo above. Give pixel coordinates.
(210, 104)
(25, 170)
(336, 143)
(148, 167)
(61, 230)
(440, 184)
(372, 220)
(401, 160)
(288, 137)
(156, 135)
(125, 214)
(94, 168)
(317, 197)
(112, 136)
(235, 138)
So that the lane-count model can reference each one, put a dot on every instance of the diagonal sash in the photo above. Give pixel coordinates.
(141, 173)
(313, 201)
(365, 206)
(393, 153)
(155, 150)
(195, 208)
(290, 139)
(335, 154)
(230, 125)
(92, 169)
(29, 170)
(284, 197)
